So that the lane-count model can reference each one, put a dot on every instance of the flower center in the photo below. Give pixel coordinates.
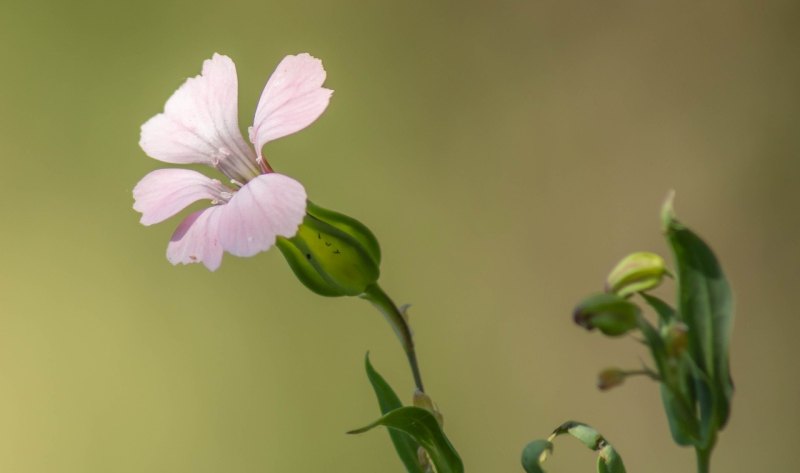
(236, 165)
(219, 192)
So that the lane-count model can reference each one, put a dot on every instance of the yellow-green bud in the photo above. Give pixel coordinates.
(332, 254)
(609, 313)
(636, 272)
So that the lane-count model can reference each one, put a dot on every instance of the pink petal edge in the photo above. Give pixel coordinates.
(164, 192)
(292, 99)
(200, 122)
(196, 239)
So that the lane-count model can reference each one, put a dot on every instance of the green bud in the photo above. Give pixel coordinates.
(610, 378)
(676, 338)
(332, 254)
(609, 313)
(636, 272)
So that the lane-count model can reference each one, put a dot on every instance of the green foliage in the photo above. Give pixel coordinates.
(411, 427)
(705, 305)
(608, 460)
(388, 401)
(691, 343)
(423, 427)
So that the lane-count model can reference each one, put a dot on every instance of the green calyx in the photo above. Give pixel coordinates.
(332, 254)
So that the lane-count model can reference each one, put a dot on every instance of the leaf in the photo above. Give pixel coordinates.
(422, 426)
(534, 454)
(608, 460)
(678, 402)
(705, 305)
(388, 401)
(665, 312)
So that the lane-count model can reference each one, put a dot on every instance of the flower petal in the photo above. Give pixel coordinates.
(268, 206)
(196, 239)
(292, 99)
(165, 192)
(200, 123)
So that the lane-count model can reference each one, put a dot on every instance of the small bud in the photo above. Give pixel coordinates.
(610, 378)
(676, 338)
(332, 254)
(424, 401)
(608, 313)
(636, 272)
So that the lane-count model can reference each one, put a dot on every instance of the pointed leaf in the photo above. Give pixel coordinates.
(705, 305)
(665, 312)
(388, 401)
(422, 426)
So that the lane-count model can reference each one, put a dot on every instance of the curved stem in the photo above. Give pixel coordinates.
(399, 324)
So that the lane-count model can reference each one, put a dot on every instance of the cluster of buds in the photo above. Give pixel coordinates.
(689, 343)
(614, 314)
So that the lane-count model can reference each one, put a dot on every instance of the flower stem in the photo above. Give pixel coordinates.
(399, 324)
(704, 459)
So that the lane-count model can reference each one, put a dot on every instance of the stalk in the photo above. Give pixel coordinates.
(397, 320)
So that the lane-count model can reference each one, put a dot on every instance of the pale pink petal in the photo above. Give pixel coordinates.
(268, 206)
(165, 192)
(196, 239)
(200, 123)
(292, 99)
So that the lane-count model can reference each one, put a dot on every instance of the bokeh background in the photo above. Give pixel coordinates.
(506, 153)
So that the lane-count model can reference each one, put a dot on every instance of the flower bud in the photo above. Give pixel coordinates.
(609, 313)
(636, 272)
(332, 254)
(610, 378)
(676, 338)
(424, 401)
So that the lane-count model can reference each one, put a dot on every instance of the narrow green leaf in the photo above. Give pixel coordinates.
(608, 460)
(388, 401)
(534, 454)
(681, 417)
(422, 426)
(705, 305)
(665, 312)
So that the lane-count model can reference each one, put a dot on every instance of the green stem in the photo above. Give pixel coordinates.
(704, 459)
(399, 324)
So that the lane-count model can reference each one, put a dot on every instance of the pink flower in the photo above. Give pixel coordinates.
(200, 125)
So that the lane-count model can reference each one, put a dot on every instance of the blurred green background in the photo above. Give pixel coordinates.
(506, 153)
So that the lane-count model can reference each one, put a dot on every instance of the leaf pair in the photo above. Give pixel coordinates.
(409, 428)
